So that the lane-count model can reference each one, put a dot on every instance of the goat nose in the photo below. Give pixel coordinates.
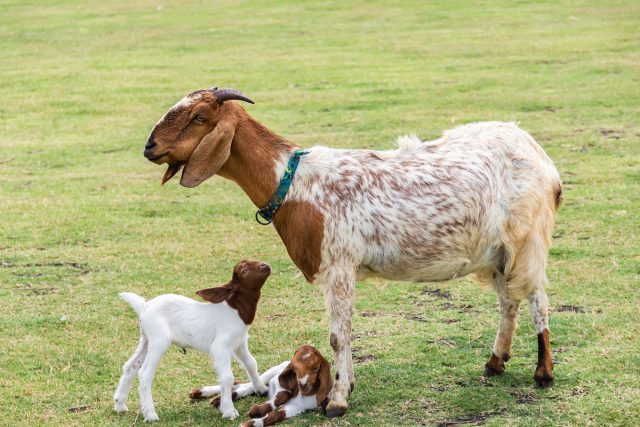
(150, 143)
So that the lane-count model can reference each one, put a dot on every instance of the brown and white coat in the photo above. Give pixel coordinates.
(295, 386)
(219, 329)
(481, 199)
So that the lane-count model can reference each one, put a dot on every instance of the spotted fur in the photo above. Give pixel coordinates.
(480, 199)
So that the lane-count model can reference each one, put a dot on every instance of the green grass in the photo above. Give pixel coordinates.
(83, 217)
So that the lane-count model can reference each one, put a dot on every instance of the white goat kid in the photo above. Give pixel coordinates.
(219, 329)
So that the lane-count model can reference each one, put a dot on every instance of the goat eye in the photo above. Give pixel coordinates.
(244, 271)
(198, 119)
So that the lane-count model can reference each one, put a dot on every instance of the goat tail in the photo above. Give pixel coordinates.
(559, 195)
(135, 301)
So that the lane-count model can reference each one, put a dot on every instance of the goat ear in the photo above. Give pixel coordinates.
(324, 376)
(216, 295)
(209, 156)
(288, 379)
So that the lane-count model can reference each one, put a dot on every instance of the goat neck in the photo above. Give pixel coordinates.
(256, 153)
(256, 163)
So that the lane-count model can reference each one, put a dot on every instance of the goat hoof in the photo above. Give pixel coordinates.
(335, 409)
(543, 378)
(151, 417)
(215, 401)
(195, 393)
(490, 372)
(120, 407)
(230, 414)
(495, 366)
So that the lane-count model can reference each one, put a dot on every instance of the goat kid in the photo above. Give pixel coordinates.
(295, 386)
(218, 327)
(479, 200)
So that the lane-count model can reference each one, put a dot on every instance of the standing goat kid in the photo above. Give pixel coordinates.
(481, 199)
(220, 329)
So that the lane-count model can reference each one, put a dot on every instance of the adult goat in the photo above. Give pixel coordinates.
(481, 199)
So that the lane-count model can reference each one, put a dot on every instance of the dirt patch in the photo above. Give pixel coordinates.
(361, 358)
(275, 316)
(76, 265)
(610, 133)
(38, 291)
(28, 274)
(479, 381)
(463, 308)
(449, 321)
(358, 335)
(416, 317)
(462, 384)
(443, 342)
(579, 391)
(551, 61)
(436, 293)
(473, 419)
(5, 264)
(570, 308)
(364, 358)
(370, 314)
(523, 396)
(81, 408)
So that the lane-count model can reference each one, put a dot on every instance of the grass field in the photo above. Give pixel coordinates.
(83, 216)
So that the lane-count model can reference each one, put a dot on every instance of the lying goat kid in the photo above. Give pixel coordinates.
(294, 387)
(220, 329)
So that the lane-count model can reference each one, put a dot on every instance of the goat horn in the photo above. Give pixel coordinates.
(227, 94)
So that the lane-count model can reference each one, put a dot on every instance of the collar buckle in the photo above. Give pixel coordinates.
(260, 214)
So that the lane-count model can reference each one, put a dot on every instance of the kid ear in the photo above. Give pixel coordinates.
(216, 295)
(288, 378)
(324, 376)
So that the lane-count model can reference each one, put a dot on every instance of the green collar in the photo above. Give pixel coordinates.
(269, 210)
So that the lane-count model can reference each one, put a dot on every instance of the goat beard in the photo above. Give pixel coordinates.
(171, 171)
